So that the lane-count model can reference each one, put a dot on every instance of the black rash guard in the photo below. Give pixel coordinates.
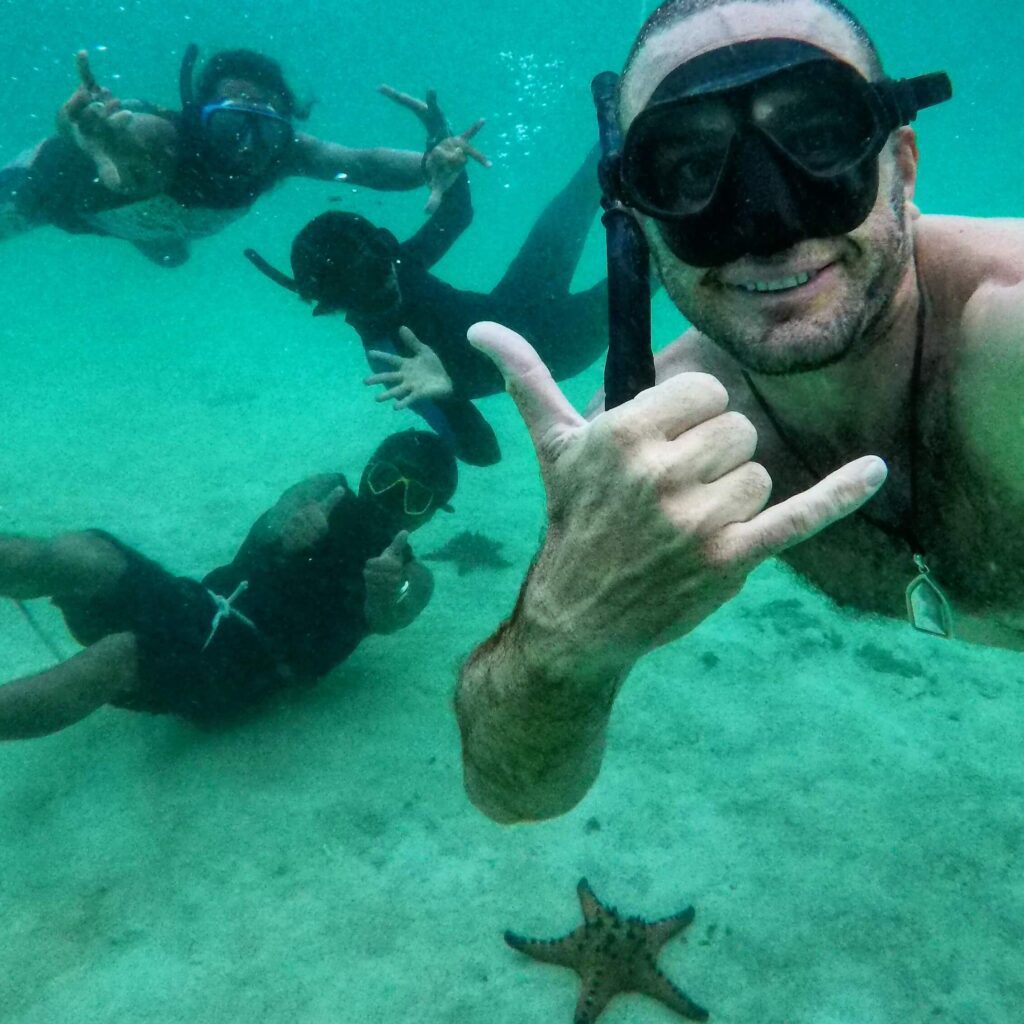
(299, 615)
(569, 331)
(309, 606)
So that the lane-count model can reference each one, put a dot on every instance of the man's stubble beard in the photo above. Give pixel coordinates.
(826, 339)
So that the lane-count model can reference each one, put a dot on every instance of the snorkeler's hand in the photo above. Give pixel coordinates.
(306, 525)
(656, 512)
(445, 159)
(134, 153)
(384, 576)
(418, 377)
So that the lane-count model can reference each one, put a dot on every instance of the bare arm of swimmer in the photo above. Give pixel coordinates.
(393, 169)
(656, 514)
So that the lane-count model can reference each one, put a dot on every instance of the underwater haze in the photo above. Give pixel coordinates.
(840, 798)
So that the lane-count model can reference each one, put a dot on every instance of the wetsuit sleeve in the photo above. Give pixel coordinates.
(265, 534)
(449, 220)
(473, 437)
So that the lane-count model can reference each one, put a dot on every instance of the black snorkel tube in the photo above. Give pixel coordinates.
(186, 77)
(629, 367)
(275, 275)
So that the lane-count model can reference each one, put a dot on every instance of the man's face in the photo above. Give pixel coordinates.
(852, 277)
(248, 144)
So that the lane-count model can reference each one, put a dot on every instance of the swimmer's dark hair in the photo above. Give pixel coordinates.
(673, 11)
(254, 67)
(331, 254)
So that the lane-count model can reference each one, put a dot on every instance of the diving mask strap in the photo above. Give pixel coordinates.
(907, 97)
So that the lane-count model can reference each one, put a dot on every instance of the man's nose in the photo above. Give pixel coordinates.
(246, 139)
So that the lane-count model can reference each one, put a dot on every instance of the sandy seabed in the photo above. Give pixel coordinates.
(839, 798)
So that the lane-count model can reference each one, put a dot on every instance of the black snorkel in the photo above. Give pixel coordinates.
(629, 367)
(275, 275)
(186, 79)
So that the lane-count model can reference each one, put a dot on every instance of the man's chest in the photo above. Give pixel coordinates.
(969, 536)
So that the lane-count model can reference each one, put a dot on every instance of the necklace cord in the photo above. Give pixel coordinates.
(907, 535)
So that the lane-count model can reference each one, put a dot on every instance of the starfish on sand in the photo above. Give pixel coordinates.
(613, 954)
(470, 550)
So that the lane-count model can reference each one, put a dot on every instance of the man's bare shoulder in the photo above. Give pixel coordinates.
(974, 275)
(974, 272)
(960, 255)
(691, 352)
(687, 354)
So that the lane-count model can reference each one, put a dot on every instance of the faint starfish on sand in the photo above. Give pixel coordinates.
(613, 954)
(470, 550)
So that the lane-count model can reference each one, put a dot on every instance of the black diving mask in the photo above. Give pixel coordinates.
(752, 148)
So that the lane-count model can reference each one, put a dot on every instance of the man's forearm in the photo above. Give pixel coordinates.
(393, 170)
(533, 712)
(387, 170)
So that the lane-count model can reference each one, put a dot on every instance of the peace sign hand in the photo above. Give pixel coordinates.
(656, 511)
(134, 153)
(446, 154)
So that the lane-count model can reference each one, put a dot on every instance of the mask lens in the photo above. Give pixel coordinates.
(230, 127)
(820, 116)
(225, 130)
(675, 155)
(418, 499)
(275, 132)
(382, 477)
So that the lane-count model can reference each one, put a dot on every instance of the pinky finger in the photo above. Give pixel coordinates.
(800, 517)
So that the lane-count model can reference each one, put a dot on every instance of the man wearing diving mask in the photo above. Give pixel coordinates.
(772, 168)
(160, 178)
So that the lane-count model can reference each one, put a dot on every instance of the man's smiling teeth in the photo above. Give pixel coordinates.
(793, 281)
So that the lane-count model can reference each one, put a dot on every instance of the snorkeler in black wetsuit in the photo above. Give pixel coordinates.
(160, 178)
(318, 572)
(345, 264)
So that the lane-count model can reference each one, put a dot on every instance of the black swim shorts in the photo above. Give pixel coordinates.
(172, 618)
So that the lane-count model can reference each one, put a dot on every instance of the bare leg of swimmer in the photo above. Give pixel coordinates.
(49, 701)
(79, 564)
(544, 267)
(83, 564)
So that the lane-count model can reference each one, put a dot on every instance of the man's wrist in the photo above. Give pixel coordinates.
(557, 641)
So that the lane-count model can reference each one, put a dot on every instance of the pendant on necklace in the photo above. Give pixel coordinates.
(928, 608)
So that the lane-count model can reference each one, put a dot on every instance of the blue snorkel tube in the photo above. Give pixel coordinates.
(629, 368)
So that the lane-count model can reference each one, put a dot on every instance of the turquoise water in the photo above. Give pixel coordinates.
(838, 797)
